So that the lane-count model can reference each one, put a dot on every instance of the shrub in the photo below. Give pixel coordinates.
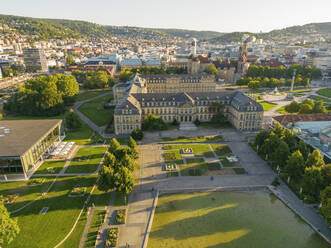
(137, 134)
(120, 216)
(275, 182)
(112, 237)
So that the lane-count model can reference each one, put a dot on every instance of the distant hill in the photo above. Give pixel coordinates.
(44, 29)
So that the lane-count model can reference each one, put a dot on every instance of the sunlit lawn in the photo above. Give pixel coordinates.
(50, 167)
(267, 105)
(202, 150)
(47, 230)
(193, 167)
(86, 160)
(97, 220)
(229, 220)
(95, 111)
(325, 92)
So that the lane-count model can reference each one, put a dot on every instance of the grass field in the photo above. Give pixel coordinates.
(267, 105)
(46, 230)
(97, 220)
(230, 220)
(120, 199)
(202, 150)
(325, 92)
(89, 94)
(221, 149)
(282, 110)
(95, 111)
(86, 160)
(54, 165)
(193, 167)
(317, 98)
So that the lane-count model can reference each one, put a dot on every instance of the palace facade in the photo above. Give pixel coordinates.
(135, 101)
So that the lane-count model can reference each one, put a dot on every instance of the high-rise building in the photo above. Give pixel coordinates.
(35, 60)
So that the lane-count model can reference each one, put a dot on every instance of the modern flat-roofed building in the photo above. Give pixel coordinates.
(23, 144)
(35, 60)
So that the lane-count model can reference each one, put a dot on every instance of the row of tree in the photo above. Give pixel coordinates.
(255, 83)
(93, 79)
(13, 70)
(306, 107)
(126, 73)
(44, 95)
(255, 71)
(118, 167)
(298, 164)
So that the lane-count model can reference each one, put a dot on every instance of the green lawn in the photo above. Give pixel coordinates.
(282, 110)
(193, 167)
(54, 166)
(216, 138)
(222, 149)
(47, 230)
(230, 220)
(100, 198)
(325, 92)
(267, 105)
(97, 220)
(95, 111)
(226, 163)
(317, 98)
(170, 156)
(89, 94)
(201, 150)
(86, 160)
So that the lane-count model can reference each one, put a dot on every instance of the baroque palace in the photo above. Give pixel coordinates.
(184, 98)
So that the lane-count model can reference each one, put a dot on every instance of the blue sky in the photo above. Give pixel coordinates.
(216, 15)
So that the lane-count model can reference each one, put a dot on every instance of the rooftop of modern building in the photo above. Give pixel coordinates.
(294, 118)
(17, 136)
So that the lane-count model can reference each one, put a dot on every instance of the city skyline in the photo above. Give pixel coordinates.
(220, 16)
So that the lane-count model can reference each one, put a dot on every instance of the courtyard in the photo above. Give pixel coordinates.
(229, 219)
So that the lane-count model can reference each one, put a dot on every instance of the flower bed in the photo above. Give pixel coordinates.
(112, 237)
(120, 216)
(170, 167)
(186, 151)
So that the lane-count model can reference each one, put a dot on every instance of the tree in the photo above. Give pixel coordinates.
(312, 182)
(305, 109)
(326, 173)
(126, 161)
(315, 159)
(153, 122)
(67, 86)
(295, 166)
(261, 137)
(106, 179)
(125, 75)
(113, 145)
(1, 116)
(109, 160)
(72, 120)
(8, 226)
(137, 134)
(254, 84)
(326, 203)
(211, 69)
(319, 107)
(70, 60)
(133, 146)
(122, 151)
(96, 80)
(124, 181)
(293, 107)
(302, 146)
(281, 153)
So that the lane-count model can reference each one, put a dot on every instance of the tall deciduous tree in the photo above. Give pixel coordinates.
(8, 226)
(312, 182)
(315, 159)
(295, 166)
(113, 145)
(326, 203)
(72, 120)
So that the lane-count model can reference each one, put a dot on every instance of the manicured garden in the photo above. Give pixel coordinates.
(86, 160)
(202, 150)
(222, 149)
(267, 105)
(97, 220)
(96, 112)
(50, 167)
(325, 92)
(229, 219)
(46, 230)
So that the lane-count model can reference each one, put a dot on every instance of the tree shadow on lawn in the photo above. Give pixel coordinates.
(59, 202)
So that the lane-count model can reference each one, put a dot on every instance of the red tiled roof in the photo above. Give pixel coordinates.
(294, 118)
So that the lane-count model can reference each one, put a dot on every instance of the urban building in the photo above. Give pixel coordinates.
(243, 112)
(35, 60)
(23, 144)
